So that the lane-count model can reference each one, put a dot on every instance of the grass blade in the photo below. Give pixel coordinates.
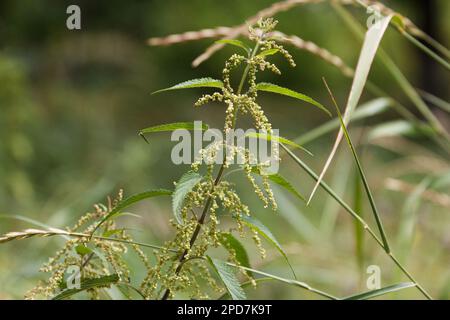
(371, 43)
(369, 109)
(381, 292)
(398, 128)
(362, 174)
(359, 231)
(347, 208)
(269, 87)
(399, 77)
(438, 102)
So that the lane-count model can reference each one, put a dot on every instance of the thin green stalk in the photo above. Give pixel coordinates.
(288, 281)
(361, 173)
(330, 191)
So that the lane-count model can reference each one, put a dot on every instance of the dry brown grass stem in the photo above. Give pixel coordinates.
(228, 33)
(28, 233)
(242, 29)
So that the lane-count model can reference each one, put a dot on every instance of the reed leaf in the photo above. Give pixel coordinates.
(371, 43)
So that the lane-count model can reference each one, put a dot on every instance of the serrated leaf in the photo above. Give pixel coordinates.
(234, 42)
(86, 284)
(380, 292)
(246, 284)
(270, 87)
(278, 139)
(231, 243)
(172, 127)
(226, 274)
(281, 181)
(268, 52)
(82, 250)
(195, 83)
(132, 200)
(185, 185)
(259, 227)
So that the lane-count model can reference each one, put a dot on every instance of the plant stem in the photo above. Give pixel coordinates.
(202, 219)
(288, 281)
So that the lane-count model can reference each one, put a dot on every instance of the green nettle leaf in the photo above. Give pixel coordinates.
(110, 233)
(234, 245)
(172, 127)
(270, 87)
(246, 284)
(195, 83)
(234, 42)
(268, 52)
(87, 284)
(226, 274)
(82, 250)
(382, 291)
(282, 182)
(185, 185)
(131, 200)
(259, 227)
(278, 139)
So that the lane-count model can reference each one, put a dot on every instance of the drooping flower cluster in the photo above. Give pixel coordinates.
(89, 257)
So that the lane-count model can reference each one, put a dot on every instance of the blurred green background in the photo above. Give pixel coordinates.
(72, 103)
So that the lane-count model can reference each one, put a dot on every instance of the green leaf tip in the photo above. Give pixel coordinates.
(194, 83)
(234, 42)
(270, 87)
(228, 277)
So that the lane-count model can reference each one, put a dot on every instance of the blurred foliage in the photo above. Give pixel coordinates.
(72, 103)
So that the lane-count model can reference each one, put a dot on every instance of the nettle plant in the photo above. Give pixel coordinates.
(208, 212)
(93, 256)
